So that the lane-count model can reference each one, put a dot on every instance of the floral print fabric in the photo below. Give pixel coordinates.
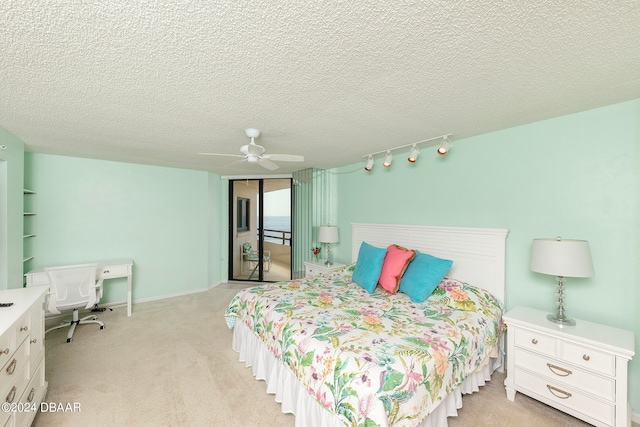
(372, 359)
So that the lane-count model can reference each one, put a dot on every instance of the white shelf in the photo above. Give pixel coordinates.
(27, 192)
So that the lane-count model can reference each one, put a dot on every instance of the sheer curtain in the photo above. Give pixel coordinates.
(312, 204)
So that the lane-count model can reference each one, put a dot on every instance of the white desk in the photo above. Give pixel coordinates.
(112, 269)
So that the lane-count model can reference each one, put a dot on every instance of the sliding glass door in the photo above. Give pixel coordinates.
(260, 229)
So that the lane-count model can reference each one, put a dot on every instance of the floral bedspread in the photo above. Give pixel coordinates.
(373, 359)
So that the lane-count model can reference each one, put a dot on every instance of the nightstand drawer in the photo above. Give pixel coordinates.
(311, 271)
(589, 358)
(535, 341)
(566, 374)
(566, 396)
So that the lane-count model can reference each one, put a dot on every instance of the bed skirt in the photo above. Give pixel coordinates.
(295, 399)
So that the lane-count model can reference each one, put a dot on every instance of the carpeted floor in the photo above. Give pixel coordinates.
(171, 364)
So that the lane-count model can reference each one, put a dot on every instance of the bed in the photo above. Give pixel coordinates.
(334, 354)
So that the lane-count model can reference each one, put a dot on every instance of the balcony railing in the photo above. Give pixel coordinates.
(281, 237)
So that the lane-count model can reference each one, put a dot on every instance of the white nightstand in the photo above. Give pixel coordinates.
(581, 369)
(312, 268)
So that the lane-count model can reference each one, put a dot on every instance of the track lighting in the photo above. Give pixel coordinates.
(445, 145)
(413, 155)
(387, 159)
(369, 164)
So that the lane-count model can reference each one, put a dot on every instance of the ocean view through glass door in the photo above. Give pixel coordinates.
(277, 229)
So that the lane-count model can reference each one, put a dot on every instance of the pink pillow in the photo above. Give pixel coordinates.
(395, 263)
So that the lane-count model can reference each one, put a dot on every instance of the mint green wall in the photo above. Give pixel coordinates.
(576, 176)
(92, 210)
(217, 227)
(11, 208)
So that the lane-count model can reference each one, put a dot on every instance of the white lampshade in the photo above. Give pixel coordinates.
(565, 258)
(328, 234)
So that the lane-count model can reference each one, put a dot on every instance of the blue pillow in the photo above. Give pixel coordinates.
(423, 275)
(368, 266)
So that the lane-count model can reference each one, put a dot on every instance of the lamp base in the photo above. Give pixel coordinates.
(328, 263)
(562, 321)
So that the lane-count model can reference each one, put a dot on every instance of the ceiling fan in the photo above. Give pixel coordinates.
(254, 153)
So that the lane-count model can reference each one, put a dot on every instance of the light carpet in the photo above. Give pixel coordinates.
(171, 363)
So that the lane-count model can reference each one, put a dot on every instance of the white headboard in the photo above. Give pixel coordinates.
(478, 254)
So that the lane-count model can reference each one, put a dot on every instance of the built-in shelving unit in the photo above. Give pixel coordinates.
(27, 228)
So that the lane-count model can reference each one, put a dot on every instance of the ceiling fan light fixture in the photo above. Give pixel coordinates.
(369, 164)
(254, 153)
(413, 155)
(387, 159)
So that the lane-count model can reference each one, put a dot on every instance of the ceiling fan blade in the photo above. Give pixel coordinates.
(218, 154)
(234, 163)
(268, 164)
(286, 157)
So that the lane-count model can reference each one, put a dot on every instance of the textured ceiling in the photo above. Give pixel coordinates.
(158, 81)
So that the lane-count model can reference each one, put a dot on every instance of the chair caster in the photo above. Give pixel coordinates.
(101, 327)
(69, 339)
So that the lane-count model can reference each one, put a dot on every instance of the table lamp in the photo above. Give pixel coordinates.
(328, 234)
(561, 258)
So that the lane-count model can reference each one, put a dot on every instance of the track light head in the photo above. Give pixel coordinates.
(369, 164)
(387, 159)
(413, 155)
(445, 145)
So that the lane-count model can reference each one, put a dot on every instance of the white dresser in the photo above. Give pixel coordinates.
(22, 382)
(314, 268)
(581, 369)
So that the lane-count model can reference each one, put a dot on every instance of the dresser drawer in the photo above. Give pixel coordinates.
(15, 376)
(7, 347)
(22, 326)
(535, 341)
(565, 396)
(588, 358)
(32, 395)
(36, 336)
(566, 374)
(6, 419)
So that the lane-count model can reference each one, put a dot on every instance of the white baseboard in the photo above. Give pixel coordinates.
(139, 301)
(160, 297)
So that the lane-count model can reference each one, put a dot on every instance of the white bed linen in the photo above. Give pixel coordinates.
(308, 412)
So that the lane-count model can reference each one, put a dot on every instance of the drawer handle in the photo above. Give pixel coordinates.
(554, 368)
(5, 351)
(106, 272)
(534, 341)
(552, 389)
(31, 394)
(33, 341)
(24, 328)
(11, 395)
(12, 367)
(586, 357)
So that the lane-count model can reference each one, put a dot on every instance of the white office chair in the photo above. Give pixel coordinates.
(73, 287)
